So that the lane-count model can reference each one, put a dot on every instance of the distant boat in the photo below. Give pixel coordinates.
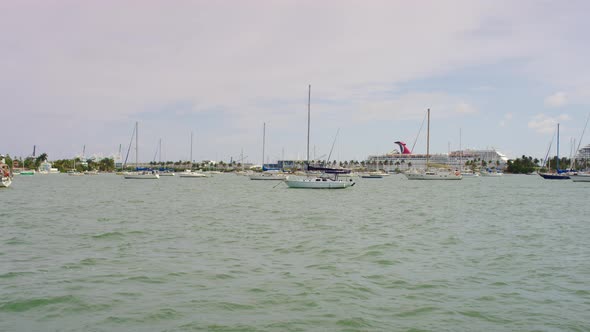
(267, 175)
(5, 174)
(27, 172)
(467, 173)
(139, 175)
(491, 173)
(372, 175)
(431, 174)
(558, 175)
(189, 173)
(328, 180)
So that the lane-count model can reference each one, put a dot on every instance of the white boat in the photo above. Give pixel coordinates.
(189, 173)
(372, 175)
(326, 180)
(580, 177)
(5, 174)
(467, 173)
(432, 174)
(192, 174)
(266, 175)
(166, 173)
(277, 176)
(491, 173)
(75, 173)
(140, 175)
(315, 182)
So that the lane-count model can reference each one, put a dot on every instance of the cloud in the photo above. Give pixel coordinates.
(544, 124)
(557, 99)
(507, 118)
(77, 66)
(413, 105)
(465, 108)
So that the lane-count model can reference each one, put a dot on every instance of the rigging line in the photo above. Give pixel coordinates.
(583, 131)
(419, 131)
(333, 143)
(549, 149)
(129, 148)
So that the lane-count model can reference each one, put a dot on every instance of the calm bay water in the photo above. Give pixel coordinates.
(100, 253)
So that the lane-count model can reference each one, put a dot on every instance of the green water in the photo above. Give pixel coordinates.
(100, 253)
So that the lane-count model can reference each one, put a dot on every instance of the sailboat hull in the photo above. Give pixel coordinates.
(147, 176)
(317, 183)
(192, 175)
(551, 176)
(268, 176)
(434, 176)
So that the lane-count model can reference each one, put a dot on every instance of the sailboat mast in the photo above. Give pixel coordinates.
(557, 163)
(428, 139)
(461, 151)
(308, 119)
(263, 142)
(160, 152)
(136, 145)
(191, 156)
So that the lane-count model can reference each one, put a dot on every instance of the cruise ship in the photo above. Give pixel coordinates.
(404, 159)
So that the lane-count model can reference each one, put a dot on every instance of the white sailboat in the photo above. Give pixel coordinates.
(166, 171)
(327, 180)
(139, 175)
(189, 173)
(432, 174)
(5, 174)
(267, 175)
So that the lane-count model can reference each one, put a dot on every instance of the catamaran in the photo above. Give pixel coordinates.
(329, 177)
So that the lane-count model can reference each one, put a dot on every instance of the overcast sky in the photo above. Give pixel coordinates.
(75, 73)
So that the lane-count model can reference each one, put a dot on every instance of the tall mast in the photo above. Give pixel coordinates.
(136, 144)
(191, 160)
(263, 142)
(461, 151)
(160, 152)
(428, 140)
(308, 119)
(557, 163)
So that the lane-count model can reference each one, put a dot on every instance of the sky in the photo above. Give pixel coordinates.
(497, 74)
